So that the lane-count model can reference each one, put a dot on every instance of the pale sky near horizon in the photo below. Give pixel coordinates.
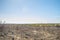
(30, 11)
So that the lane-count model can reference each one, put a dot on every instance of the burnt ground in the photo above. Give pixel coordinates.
(29, 32)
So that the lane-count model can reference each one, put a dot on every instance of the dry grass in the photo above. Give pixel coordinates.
(30, 32)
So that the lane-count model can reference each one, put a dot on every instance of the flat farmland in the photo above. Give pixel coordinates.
(29, 31)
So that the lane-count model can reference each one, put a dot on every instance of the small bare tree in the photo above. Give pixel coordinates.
(1, 28)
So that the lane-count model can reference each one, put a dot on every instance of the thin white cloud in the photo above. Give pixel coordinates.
(24, 20)
(30, 20)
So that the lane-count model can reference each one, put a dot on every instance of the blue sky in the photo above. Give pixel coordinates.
(30, 11)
